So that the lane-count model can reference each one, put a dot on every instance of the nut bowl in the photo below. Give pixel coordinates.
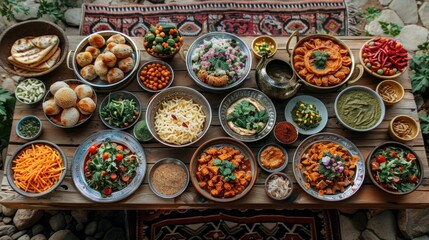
(211, 150)
(27, 29)
(261, 104)
(403, 128)
(168, 178)
(359, 108)
(113, 118)
(272, 158)
(393, 56)
(232, 78)
(390, 91)
(162, 82)
(30, 91)
(55, 117)
(29, 127)
(278, 186)
(389, 168)
(97, 83)
(33, 150)
(172, 122)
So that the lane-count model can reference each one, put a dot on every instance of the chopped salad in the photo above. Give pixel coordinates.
(306, 116)
(109, 167)
(395, 169)
(219, 62)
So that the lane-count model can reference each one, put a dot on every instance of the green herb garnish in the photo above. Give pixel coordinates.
(331, 165)
(226, 169)
(390, 28)
(120, 113)
(245, 115)
(320, 59)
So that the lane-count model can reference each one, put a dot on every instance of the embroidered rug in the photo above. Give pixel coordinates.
(246, 18)
(236, 224)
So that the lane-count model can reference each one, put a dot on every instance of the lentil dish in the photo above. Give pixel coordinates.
(322, 62)
(169, 178)
(223, 171)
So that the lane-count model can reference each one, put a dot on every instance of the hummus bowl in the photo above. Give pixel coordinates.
(359, 108)
(239, 107)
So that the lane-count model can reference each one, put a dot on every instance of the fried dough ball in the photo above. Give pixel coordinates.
(84, 58)
(65, 97)
(94, 51)
(88, 72)
(96, 40)
(69, 117)
(86, 106)
(114, 75)
(126, 64)
(108, 58)
(57, 85)
(50, 107)
(82, 91)
(117, 38)
(122, 51)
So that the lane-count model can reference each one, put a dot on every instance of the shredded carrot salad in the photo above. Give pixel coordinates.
(37, 168)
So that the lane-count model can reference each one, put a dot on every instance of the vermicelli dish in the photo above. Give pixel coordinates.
(179, 121)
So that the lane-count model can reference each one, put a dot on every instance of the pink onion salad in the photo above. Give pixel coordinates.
(219, 62)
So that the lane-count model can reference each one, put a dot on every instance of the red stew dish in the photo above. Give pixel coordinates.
(223, 171)
(109, 167)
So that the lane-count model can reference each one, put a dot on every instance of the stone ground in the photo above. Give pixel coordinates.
(371, 224)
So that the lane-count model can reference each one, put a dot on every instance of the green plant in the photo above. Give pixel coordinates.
(55, 9)
(424, 123)
(9, 7)
(390, 28)
(7, 105)
(371, 13)
(420, 65)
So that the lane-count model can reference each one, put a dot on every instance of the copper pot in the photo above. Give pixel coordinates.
(313, 87)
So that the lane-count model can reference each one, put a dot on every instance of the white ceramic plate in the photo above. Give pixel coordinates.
(319, 106)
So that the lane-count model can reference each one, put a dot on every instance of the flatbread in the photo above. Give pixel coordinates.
(19, 68)
(34, 50)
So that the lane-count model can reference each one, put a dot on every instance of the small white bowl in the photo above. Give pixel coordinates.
(23, 121)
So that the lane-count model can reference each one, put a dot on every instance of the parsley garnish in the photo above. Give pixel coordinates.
(320, 59)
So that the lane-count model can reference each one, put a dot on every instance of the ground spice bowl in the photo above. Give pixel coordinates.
(166, 161)
(285, 129)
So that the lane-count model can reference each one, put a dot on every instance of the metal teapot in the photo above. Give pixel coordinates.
(276, 78)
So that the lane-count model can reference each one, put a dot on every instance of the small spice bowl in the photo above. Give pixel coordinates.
(168, 178)
(272, 158)
(264, 43)
(403, 128)
(148, 82)
(285, 132)
(390, 91)
(29, 127)
(30, 91)
(278, 186)
(141, 131)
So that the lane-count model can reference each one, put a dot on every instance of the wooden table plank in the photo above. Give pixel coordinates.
(369, 196)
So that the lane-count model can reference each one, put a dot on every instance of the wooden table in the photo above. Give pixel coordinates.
(67, 197)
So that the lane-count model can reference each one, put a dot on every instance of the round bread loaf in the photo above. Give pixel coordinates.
(65, 98)
(69, 117)
(88, 72)
(86, 106)
(126, 64)
(57, 85)
(82, 91)
(50, 107)
(96, 40)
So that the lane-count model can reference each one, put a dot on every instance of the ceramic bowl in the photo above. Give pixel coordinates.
(143, 85)
(30, 91)
(355, 108)
(403, 128)
(283, 128)
(244, 93)
(263, 151)
(264, 40)
(218, 143)
(390, 91)
(286, 189)
(79, 163)
(161, 162)
(306, 99)
(10, 165)
(372, 172)
(185, 93)
(26, 29)
(190, 59)
(25, 120)
(119, 95)
(375, 74)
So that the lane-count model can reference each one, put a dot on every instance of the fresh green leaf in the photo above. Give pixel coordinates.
(424, 123)
(320, 59)
(390, 28)
(371, 13)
